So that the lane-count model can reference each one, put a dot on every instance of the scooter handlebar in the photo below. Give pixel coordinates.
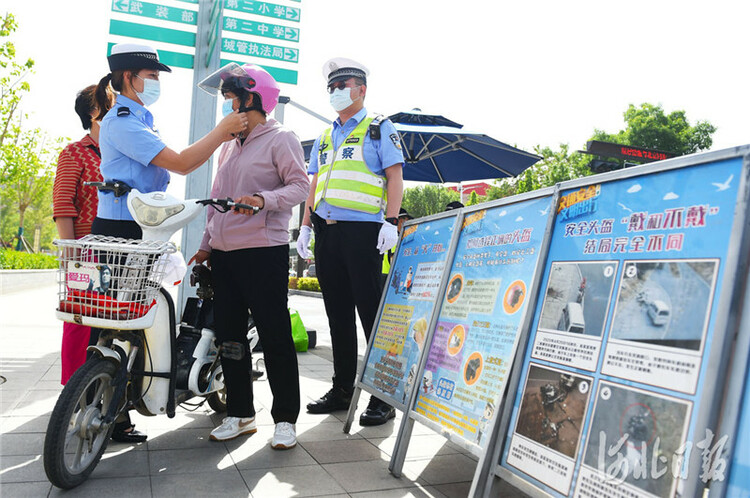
(224, 205)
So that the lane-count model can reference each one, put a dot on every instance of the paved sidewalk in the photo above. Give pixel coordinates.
(179, 460)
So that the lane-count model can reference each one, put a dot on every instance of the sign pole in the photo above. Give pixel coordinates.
(202, 121)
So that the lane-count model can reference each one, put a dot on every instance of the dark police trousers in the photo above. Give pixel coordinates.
(257, 279)
(348, 265)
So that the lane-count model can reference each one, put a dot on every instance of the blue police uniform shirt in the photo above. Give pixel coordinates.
(378, 155)
(128, 144)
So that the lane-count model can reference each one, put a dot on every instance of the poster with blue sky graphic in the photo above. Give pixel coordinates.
(613, 372)
(411, 293)
(481, 309)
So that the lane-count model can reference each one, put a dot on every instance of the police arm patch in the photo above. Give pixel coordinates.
(396, 140)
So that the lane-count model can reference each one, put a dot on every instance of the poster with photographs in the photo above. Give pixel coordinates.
(548, 428)
(411, 294)
(574, 312)
(476, 331)
(629, 296)
(660, 321)
(634, 444)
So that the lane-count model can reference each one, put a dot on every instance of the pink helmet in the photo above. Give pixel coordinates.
(253, 79)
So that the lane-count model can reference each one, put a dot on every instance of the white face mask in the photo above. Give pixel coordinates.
(151, 91)
(341, 99)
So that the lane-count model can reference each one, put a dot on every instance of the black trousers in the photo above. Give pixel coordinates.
(349, 266)
(127, 229)
(257, 279)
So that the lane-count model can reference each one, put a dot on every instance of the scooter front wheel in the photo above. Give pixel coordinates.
(217, 400)
(76, 436)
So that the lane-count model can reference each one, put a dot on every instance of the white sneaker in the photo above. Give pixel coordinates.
(231, 427)
(284, 436)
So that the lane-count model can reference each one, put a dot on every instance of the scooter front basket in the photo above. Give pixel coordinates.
(110, 282)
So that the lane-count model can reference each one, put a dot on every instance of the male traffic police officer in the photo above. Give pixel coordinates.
(357, 179)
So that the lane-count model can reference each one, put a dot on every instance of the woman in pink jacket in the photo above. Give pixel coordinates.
(249, 253)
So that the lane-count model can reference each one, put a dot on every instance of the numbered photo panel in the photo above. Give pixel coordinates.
(634, 443)
(574, 312)
(660, 322)
(548, 429)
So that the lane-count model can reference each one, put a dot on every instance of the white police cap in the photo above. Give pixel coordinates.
(340, 68)
(135, 56)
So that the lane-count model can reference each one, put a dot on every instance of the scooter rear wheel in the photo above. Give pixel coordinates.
(76, 437)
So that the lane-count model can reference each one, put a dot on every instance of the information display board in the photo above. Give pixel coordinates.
(411, 292)
(481, 309)
(616, 367)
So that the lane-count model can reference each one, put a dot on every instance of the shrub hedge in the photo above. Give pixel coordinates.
(17, 260)
(308, 283)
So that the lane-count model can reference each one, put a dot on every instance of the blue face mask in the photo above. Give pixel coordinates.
(226, 107)
(151, 91)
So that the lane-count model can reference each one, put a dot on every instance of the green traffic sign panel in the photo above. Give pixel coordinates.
(265, 29)
(154, 33)
(171, 59)
(263, 50)
(264, 9)
(281, 75)
(155, 11)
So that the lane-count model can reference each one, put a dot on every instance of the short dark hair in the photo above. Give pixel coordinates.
(85, 104)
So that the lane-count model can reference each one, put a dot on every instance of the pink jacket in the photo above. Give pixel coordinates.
(270, 163)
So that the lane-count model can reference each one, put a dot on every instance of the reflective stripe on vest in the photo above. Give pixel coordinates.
(344, 180)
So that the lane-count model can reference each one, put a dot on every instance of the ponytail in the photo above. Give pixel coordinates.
(105, 96)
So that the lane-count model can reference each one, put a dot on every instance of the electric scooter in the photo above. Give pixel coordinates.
(143, 361)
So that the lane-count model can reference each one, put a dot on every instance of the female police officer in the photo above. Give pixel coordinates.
(134, 153)
(132, 150)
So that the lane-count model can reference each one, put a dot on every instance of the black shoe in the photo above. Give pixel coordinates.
(335, 399)
(123, 435)
(257, 374)
(378, 412)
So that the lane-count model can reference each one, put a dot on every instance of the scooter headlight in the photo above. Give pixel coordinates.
(153, 216)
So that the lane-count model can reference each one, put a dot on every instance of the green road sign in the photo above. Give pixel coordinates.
(172, 59)
(263, 50)
(146, 32)
(264, 9)
(281, 75)
(155, 11)
(265, 29)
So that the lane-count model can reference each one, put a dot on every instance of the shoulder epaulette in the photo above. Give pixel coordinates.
(123, 111)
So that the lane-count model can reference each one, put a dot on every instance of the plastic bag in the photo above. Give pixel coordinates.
(299, 332)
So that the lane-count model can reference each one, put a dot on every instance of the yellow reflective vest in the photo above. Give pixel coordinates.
(344, 180)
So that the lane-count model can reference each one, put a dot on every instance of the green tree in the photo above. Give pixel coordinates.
(501, 189)
(427, 200)
(649, 126)
(12, 84)
(30, 159)
(27, 157)
(645, 126)
(474, 199)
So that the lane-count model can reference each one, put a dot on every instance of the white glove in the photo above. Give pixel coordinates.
(303, 242)
(387, 237)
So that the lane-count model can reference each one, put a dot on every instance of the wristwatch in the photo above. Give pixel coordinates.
(392, 220)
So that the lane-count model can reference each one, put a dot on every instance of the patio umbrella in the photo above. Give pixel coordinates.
(447, 153)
